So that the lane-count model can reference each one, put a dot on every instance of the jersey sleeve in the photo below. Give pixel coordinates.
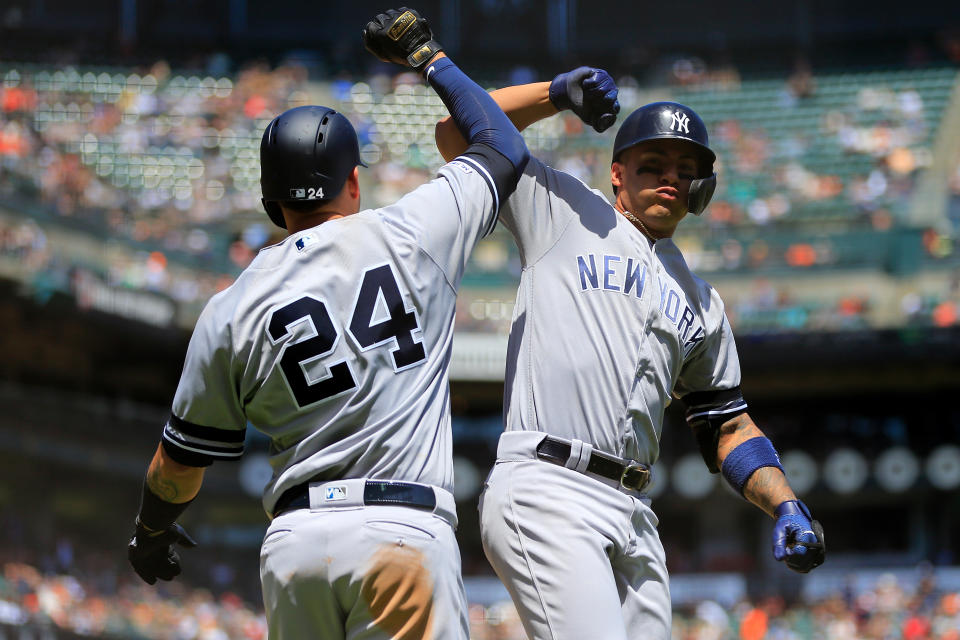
(709, 386)
(447, 216)
(207, 422)
(542, 205)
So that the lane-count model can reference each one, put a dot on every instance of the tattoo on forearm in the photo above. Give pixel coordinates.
(164, 488)
(735, 431)
(741, 426)
(767, 488)
(761, 482)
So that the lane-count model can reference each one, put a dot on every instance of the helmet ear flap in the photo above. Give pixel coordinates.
(276, 214)
(701, 190)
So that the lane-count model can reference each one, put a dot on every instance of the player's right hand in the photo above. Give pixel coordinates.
(401, 36)
(590, 93)
(797, 538)
(152, 553)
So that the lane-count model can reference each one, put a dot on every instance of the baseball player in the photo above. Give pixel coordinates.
(336, 343)
(609, 325)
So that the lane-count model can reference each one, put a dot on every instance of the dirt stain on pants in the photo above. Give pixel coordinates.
(399, 590)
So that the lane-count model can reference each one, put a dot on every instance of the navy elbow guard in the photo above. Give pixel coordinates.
(746, 458)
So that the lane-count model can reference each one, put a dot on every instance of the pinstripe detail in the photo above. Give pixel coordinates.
(214, 434)
(704, 406)
(482, 170)
(706, 413)
(733, 408)
(204, 441)
(712, 398)
(214, 452)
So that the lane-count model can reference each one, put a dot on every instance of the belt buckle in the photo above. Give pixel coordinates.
(635, 476)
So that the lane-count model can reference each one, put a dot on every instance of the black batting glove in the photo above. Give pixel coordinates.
(401, 36)
(152, 553)
(797, 537)
(590, 93)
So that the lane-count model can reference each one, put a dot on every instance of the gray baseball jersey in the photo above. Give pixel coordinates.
(606, 327)
(336, 342)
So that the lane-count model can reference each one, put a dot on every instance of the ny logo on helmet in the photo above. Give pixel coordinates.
(679, 122)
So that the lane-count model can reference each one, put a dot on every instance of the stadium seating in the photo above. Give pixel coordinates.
(165, 165)
(873, 604)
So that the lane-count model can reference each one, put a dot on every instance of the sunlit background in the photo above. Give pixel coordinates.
(129, 194)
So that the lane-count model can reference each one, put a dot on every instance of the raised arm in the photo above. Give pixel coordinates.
(750, 464)
(590, 93)
(480, 123)
(524, 104)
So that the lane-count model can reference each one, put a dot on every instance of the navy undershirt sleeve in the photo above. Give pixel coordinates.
(481, 122)
(499, 168)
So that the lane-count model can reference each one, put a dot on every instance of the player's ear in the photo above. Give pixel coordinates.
(353, 184)
(616, 175)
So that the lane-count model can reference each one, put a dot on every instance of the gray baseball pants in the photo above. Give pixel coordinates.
(348, 571)
(580, 558)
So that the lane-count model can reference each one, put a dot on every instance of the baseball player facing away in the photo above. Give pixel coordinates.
(336, 343)
(564, 518)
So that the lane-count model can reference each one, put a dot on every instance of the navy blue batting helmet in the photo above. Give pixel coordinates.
(672, 120)
(306, 153)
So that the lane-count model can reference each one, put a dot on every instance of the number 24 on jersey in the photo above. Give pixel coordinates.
(398, 329)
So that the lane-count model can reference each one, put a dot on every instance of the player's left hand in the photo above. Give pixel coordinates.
(153, 555)
(797, 538)
(401, 36)
(590, 93)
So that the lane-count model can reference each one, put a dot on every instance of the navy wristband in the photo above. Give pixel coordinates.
(746, 458)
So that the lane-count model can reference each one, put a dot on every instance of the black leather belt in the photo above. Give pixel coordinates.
(629, 475)
(404, 494)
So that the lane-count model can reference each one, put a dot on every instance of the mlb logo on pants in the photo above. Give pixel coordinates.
(334, 493)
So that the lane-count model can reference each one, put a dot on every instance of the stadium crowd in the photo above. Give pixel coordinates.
(164, 167)
(108, 604)
(146, 180)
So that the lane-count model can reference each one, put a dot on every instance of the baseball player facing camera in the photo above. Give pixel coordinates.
(336, 343)
(564, 518)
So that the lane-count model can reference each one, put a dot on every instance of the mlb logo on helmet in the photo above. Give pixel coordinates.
(298, 193)
(332, 494)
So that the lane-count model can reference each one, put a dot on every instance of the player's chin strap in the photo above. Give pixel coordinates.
(701, 190)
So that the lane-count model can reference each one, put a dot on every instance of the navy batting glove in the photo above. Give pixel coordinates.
(797, 538)
(590, 93)
(152, 553)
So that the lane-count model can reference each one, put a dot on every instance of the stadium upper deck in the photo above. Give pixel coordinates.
(819, 174)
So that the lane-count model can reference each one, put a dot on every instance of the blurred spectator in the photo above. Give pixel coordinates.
(953, 200)
(800, 84)
(163, 164)
(98, 597)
